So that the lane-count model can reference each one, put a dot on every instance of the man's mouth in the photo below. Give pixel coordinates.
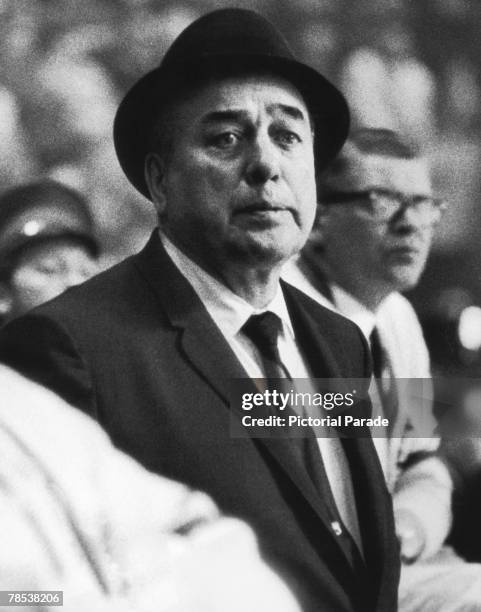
(406, 253)
(407, 249)
(262, 208)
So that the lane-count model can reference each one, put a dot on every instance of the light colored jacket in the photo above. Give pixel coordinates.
(79, 516)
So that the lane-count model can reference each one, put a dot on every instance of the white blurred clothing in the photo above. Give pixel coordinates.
(79, 516)
(442, 583)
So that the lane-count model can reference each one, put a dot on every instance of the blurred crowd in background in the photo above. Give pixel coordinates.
(405, 65)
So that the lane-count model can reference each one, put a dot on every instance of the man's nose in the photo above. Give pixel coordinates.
(262, 161)
(409, 220)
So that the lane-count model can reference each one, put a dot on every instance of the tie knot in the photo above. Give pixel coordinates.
(263, 330)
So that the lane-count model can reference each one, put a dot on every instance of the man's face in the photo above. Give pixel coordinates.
(239, 184)
(45, 270)
(386, 255)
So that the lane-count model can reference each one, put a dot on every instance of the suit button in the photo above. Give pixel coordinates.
(336, 527)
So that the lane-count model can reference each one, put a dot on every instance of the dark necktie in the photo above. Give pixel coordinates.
(263, 330)
(383, 373)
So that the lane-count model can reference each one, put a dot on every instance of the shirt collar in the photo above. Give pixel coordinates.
(350, 307)
(229, 311)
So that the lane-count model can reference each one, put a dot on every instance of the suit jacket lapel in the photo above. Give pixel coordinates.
(374, 507)
(201, 340)
(219, 366)
(308, 334)
(210, 354)
(366, 471)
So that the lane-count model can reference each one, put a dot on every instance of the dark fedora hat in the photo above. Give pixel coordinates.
(223, 43)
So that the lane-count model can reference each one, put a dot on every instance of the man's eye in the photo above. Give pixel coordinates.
(225, 140)
(287, 138)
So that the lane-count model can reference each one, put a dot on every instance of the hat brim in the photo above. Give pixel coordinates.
(140, 107)
(18, 244)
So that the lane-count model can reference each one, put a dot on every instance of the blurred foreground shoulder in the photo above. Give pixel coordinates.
(42, 350)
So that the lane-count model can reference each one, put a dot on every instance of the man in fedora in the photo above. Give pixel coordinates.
(376, 221)
(224, 137)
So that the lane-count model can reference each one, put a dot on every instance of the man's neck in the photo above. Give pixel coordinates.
(257, 285)
(320, 271)
(369, 296)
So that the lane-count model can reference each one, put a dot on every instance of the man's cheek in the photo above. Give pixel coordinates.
(220, 179)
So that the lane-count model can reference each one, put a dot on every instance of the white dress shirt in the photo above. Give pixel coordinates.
(230, 312)
(425, 488)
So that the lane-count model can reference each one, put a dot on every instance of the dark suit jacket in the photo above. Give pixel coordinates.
(135, 348)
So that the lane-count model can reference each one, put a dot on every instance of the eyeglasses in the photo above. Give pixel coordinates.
(384, 204)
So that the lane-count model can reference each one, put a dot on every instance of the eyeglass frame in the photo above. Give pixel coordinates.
(405, 201)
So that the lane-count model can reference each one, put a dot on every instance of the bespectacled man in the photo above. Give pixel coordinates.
(375, 224)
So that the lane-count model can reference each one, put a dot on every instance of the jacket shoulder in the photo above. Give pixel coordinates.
(330, 320)
(105, 285)
(343, 337)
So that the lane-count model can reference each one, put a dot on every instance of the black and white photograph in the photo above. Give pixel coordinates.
(240, 305)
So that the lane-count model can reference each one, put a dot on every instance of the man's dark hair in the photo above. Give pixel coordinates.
(380, 141)
(367, 141)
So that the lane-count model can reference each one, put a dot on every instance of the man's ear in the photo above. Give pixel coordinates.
(6, 300)
(154, 173)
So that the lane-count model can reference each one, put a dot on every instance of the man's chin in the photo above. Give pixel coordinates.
(269, 247)
(405, 278)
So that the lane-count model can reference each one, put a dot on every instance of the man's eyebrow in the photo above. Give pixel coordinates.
(293, 111)
(239, 115)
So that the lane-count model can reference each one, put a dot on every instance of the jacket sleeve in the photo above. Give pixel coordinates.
(423, 486)
(425, 490)
(42, 350)
(422, 483)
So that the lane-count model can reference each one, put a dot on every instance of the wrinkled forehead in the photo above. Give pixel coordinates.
(244, 93)
(398, 174)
